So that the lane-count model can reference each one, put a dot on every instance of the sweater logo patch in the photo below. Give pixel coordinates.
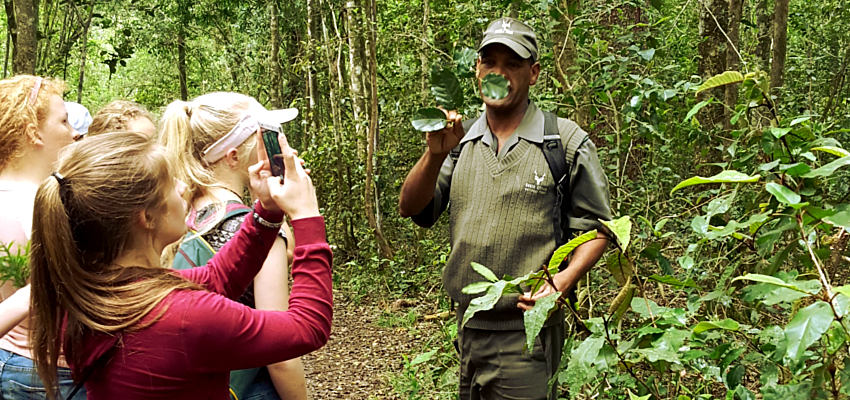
(536, 187)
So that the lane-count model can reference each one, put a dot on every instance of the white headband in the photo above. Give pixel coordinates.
(246, 127)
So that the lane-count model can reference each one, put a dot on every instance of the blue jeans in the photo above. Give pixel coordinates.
(19, 379)
(261, 390)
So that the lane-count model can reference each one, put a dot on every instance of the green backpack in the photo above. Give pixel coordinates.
(196, 252)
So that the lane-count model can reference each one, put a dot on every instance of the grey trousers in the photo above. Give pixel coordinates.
(494, 366)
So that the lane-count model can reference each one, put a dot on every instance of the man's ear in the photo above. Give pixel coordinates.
(232, 158)
(535, 73)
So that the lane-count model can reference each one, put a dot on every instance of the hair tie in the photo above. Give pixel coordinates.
(189, 108)
(59, 178)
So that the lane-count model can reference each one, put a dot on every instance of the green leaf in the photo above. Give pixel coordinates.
(465, 61)
(845, 290)
(654, 354)
(633, 396)
(696, 109)
(477, 287)
(484, 271)
(494, 86)
(782, 193)
(828, 169)
(673, 281)
(742, 393)
(726, 324)
(647, 54)
(723, 177)
(769, 279)
(647, 308)
(726, 78)
(620, 267)
(779, 132)
(806, 327)
(622, 229)
(734, 376)
(796, 169)
(802, 391)
(423, 358)
(836, 337)
(669, 93)
(429, 120)
(568, 248)
(841, 220)
(446, 88)
(533, 319)
(485, 302)
(836, 151)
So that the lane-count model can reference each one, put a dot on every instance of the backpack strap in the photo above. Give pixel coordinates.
(559, 149)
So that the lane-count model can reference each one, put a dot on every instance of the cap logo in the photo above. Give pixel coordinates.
(506, 28)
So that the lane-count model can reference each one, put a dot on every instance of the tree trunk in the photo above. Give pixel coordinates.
(355, 70)
(424, 52)
(312, 81)
(373, 214)
(11, 35)
(26, 43)
(780, 44)
(764, 21)
(513, 9)
(274, 57)
(712, 51)
(181, 65)
(84, 52)
(736, 7)
(564, 50)
(839, 80)
(335, 84)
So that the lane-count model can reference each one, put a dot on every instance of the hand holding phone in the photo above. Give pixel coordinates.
(269, 133)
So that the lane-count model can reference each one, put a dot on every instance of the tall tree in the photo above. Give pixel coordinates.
(313, 123)
(780, 44)
(424, 52)
(736, 8)
(355, 62)
(712, 52)
(274, 56)
(26, 42)
(373, 213)
(84, 52)
(764, 22)
(11, 34)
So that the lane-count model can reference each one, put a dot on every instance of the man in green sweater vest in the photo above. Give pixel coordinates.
(502, 194)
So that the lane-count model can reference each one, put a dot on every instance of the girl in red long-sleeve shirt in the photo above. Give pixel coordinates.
(134, 330)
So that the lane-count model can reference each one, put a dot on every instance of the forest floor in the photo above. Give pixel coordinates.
(365, 350)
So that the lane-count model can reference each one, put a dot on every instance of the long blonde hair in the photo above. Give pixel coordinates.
(81, 225)
(19, 120)
(189, 128)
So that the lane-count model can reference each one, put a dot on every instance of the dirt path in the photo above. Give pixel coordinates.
(357, 361)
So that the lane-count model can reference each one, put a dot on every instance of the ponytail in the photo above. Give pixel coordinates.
(83, 220)
(182, 146)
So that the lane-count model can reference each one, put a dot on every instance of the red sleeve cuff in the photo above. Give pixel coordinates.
(309, 231)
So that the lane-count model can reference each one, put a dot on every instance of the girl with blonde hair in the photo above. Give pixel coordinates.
(123, 115)
(212, 138)
(34, 127)
(131, 329)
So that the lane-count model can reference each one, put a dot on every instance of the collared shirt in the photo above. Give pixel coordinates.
(589, 196)
(530, 129)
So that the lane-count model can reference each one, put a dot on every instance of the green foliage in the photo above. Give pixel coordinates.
(726, 78)
(494, 86)
(446, 88)
(14, 264)
(723, 177)
(429, 120)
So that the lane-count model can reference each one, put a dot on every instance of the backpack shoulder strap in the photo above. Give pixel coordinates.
(561, 140)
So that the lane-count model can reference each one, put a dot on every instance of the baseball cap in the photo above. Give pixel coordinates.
(514, 34)
(247, 126)
(79, 117)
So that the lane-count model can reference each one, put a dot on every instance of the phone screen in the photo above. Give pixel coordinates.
(270, 133)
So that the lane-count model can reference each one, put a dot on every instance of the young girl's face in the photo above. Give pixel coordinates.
(170, 226)
(55, 131)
